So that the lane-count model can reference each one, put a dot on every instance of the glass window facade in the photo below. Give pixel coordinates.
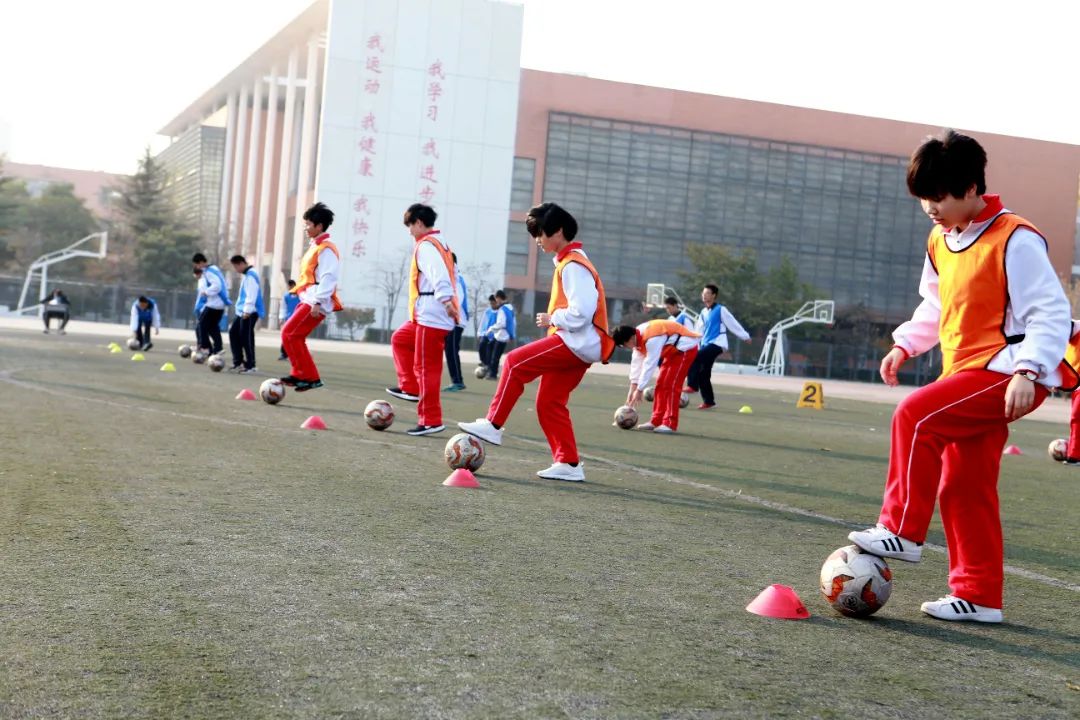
(522, 184)
(643, 192)
(517, 249)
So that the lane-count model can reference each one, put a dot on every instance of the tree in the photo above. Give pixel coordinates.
(144, 204)
(54, 220)
(13, 198)
(478, 282)
(353, 319)
(161, 254)
(391, 277)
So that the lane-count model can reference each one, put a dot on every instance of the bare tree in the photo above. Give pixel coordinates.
(479, 284)
(391, 277)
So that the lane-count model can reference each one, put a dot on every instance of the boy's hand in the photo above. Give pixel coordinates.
(1019, 397)
(890, 365)
(316, 310)
(543, 320)
(634, 398)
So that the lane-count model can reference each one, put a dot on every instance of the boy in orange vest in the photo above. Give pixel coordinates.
(669, 345)
(998, 361)
(317, 289)
(576, 324)
(1072, 357)
(434, 311)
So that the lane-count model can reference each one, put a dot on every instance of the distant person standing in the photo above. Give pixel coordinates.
(200, 304)
(212, 288)
(453, 339)
(144, 315)
(502, 331)
(56, 306)
(249, 308)
(288, 307)
(713, 323)
(678, 314)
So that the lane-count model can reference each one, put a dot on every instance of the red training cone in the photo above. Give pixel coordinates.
(461, 478)
(314, 423)
(1012, 450)
(246, 394)
(779, 601)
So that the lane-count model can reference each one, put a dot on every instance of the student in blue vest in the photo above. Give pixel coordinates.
(200, 303)
(288, 307)
(678, 314)
(483, 347)
(215, 299)
(502, 331)
(144, 315)
(713, 323)
(453, 339)
(249, 308)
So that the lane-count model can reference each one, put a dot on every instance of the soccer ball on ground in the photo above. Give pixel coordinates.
(272, 391)
(133, 344)
(379, 415)
(626, 417)
(1058, 450)
(649, 394)
(185, 351)
(464, 451)
(480, 372)
(216, 363)
(199, 357)
(684, 400)
(855, 583)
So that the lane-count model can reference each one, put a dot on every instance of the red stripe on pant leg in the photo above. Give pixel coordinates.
(403, 345)
(552, 412)
(294, 338)
(522, 366)
(1073, 450)
(430, 346)
(687, 358)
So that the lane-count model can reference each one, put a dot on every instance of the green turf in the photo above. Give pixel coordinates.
(171, 552)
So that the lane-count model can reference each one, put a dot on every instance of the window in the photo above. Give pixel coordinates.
(522, 184)
(517, 249)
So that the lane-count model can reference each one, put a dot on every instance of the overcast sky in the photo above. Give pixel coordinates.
(87, 83)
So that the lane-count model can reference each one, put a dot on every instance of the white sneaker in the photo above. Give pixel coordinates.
(882, 542)
(951, 607)
(484, 430)
(645, 426)
(563, 471)
(663, 430)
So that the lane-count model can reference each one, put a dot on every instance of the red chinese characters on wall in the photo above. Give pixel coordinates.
(434, 91)
(360, 227)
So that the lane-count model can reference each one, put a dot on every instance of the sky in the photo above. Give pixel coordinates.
(87, 84)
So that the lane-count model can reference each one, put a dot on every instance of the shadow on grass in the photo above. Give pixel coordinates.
(111, 393)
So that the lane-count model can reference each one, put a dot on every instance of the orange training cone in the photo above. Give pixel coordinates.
(461, 478)
(779, 601)
(314, 423)
(1012, 450)
(246, 394)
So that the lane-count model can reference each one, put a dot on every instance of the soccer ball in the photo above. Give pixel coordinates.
(199, 357)
(379, 414)
(216, 363)
(133, 344)
(649, 394)
(272, 391)
(480, 372)
(855, 583)
(684, 400)
(626, 417)
(1058, 450)
(185, 351)
(464, 451)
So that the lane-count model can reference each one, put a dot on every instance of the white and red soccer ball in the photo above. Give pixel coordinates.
(463, 451)
(272, 391)
(379, 414)
(855, 583)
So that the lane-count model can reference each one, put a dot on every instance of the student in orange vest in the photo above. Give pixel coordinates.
(434, 311)
(669, 345)
(576, 325)
(317, 289)
(1072, 357)
(999, 360)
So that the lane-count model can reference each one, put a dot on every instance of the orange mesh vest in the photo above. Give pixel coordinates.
(974, 294)
(310, 263)
(1072, 358)
(662, 327)
(414, 273)
(559, 302)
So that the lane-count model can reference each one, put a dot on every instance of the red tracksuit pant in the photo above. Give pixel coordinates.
(669, 383)
(947, 440)
(418, 359)
(294, 340)
(560, 371)
(1073, 452)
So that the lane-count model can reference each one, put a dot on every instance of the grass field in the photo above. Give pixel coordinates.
(168, 551)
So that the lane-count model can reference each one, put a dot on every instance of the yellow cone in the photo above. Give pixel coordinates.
(746, 410)
(115, 350)
(114, 346)
(168, 367)
(137, 357)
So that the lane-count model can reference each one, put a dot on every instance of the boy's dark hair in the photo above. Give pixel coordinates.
(715, 290)
(292, 283)
(198, 258)
(424, 213)
(671, 301)
(623, 333)
(319, 214)
(548, 219)
(238, 259)
(491, 298)
(501, 294)
(948, 164)
(144, 299)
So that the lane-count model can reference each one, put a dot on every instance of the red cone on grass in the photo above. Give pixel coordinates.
(1012, 450)
(314, 423)
(779, 601)
(246, 394)
(461, 478)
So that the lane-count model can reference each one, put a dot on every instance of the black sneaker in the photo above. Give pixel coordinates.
(149, 346)
(283, 356)
(289, 380)
(425, 430)
(304, 385)
(399, 393)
